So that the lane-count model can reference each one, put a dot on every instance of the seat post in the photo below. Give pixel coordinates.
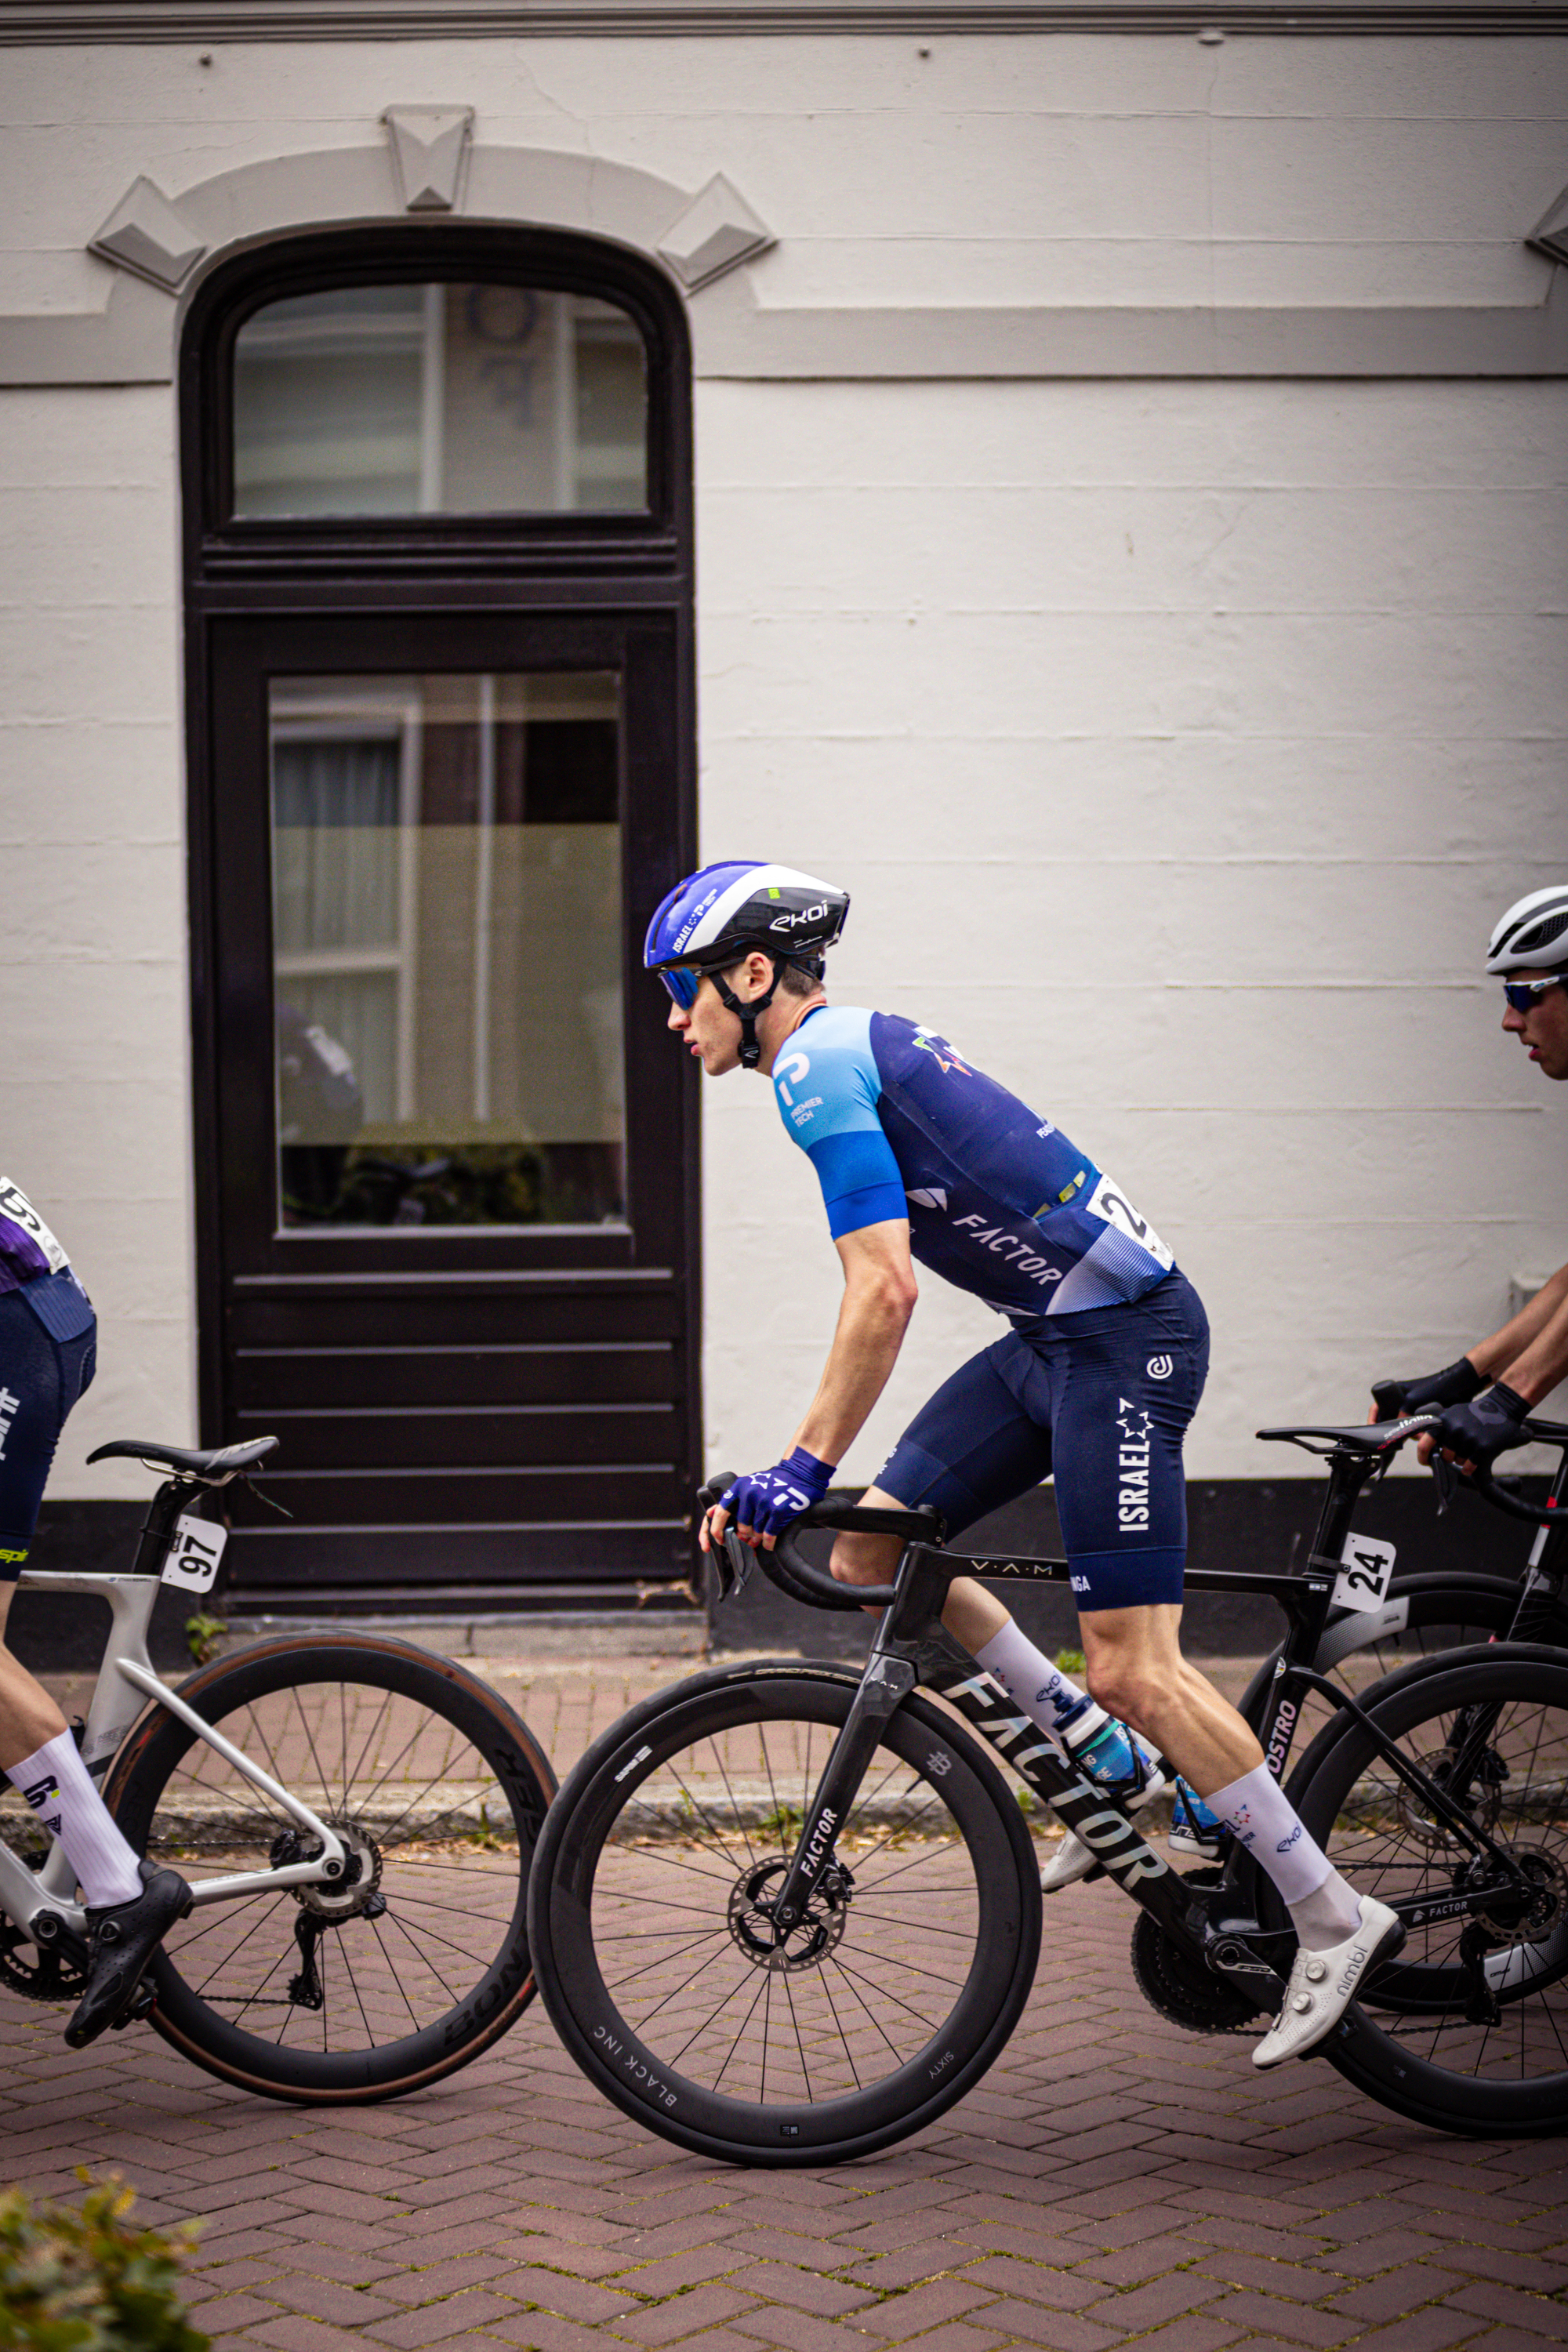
(158, 1527)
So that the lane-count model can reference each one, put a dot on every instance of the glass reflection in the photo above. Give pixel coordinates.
(446, 950)
(446, 399)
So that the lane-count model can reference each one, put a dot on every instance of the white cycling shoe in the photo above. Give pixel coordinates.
(1323, 1984)
(1073, 1860)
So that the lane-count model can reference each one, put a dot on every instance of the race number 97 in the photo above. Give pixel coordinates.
(195, 1554)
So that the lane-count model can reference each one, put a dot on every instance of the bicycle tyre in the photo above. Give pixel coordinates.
(1432, 2063)
(600, 1866)
(443, 1791)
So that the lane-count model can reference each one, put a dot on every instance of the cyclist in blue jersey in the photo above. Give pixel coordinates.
(923, 1157)
(1488, 1392)
(47, 1351)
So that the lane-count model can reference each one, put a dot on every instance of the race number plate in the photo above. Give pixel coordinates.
(195, 1554)
(1106, 1202)
(1362, 1582)
(14, 1204)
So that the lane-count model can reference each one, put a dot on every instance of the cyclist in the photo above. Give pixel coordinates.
(1486, 1394)
(47, 1349)
(921, 1156)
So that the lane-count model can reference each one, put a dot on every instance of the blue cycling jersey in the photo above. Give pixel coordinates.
(897, 1124)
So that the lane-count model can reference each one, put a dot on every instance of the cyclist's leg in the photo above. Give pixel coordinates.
(47, 1359)
(973, 1447)
(41, 1376)
(1122, 1405)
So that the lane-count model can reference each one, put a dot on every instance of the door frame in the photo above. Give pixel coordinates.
(561, 579)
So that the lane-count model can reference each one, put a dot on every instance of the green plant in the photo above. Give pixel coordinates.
(203, 1636)
(1070, 1661)
(83, 2282)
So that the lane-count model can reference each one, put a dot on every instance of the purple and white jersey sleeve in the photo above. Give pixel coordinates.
(28, 1248)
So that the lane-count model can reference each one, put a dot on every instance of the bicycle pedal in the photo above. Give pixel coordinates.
(141, 2008)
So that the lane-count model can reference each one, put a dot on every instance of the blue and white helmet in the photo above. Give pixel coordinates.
(1534, 934)
(714, 918)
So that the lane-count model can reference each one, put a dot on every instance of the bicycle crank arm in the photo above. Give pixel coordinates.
(1231, 1958)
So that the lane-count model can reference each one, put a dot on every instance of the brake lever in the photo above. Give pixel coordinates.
(1448, 1479)
(732, 1564)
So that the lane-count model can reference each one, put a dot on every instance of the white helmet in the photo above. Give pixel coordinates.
(1534, 934)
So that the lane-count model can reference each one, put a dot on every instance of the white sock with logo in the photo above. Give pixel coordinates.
(59, 1787)
(1037, 1688)
(1324, 1909)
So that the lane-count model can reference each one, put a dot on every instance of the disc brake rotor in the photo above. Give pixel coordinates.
(808, 1943)
(1540, 1905)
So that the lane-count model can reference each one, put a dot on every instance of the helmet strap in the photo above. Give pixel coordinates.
(747, 1014)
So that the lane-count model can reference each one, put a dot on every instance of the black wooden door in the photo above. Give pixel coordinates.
(446, 1153)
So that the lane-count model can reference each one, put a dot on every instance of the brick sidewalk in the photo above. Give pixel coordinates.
(1113, 2180)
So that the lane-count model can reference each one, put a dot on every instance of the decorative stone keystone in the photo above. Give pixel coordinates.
(1549, 234)
(430, 150)
(145, 235)
(717, 230)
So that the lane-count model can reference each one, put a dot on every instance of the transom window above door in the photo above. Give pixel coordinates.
(456, 398)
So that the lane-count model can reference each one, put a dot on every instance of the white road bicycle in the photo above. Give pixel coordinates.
(356, 1818)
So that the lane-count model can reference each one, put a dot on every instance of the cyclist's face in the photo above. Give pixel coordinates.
(1543, 1030)
(711, 1031)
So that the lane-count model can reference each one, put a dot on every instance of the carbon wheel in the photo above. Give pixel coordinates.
(1469, 2031)
(658, 1960)
(419, 1960)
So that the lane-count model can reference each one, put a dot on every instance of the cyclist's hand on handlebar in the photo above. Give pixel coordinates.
(1473, 1433)
(1455, 1384)
(765, 1502)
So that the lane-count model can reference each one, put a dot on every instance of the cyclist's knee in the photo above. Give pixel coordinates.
(1124, 1690)
(864, 1559)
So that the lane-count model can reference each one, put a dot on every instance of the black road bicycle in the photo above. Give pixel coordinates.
(783, 1914)
(355, 1816)
(1426, 1612)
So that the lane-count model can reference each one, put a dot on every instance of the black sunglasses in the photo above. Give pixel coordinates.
(1522, 993)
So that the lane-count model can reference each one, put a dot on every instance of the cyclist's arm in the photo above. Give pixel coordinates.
(1531, 1352)
(879, 1296)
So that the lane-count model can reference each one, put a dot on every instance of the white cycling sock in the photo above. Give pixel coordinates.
(1038, 1690)
(1323, 1910)
(59, 1787)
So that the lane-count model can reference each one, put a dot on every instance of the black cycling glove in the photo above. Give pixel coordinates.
(1455, 1384)
(1474, 1432)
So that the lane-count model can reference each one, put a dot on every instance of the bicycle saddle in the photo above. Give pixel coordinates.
(216, 1464)
(1357, 1437)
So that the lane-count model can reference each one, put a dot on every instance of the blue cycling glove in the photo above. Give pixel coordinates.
(1476, 1431)
(768, 1500)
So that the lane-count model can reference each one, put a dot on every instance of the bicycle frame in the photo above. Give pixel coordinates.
(126, 1680)
(1219, 1923)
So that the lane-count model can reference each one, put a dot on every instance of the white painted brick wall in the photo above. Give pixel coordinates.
(1179, 746)
(94, 988)
(1178, 742)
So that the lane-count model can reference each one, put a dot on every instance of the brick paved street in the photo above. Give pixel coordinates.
(1113, 2180)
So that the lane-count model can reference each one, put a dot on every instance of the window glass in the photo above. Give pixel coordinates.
(446, 399)
(446, 950)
